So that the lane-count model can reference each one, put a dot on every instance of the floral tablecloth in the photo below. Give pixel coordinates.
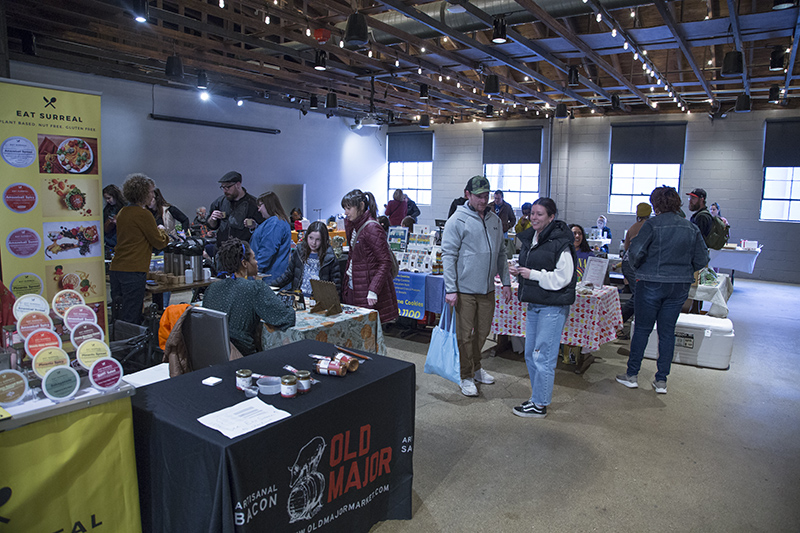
(355, 327)
(593, 319)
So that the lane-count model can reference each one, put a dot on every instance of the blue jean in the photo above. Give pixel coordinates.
(630, 276)
(656, 303)
(127, 289)
(543, 329)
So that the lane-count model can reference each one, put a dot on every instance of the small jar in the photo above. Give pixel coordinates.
(244, 378)
(350, 362)
(289, 386)
(303, 381)
(330, 368)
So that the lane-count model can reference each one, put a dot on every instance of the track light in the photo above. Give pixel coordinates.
(491, 84)
(774, 94)
(732, 65)
(782, 4)
(489, 110)
(202, 80)
(614, 102)
(573, 78)
(499, 30)
(141, 10)
(561, 111)
(331, 102)
(425, 121)
(423, 91)
(174, 70)
(28, 43)
(742, 103)
(204, 96)
(313, 102)
(776, 59)
(321, 60)
(356, 33)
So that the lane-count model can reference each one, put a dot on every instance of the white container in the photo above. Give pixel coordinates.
(700, 340)
(188, 275)
(206, 274)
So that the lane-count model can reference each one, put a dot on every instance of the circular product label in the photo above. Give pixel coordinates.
(65, 299)
(20, 197)
(70, 281)
(23, 243)
(30, 322)
(30, 302)
(77, 314)
(91, 351)
(41, 339)
(26, 283)
(13, 386)
(105, 374)
(61, 383)
(18, 152)
(86, 331)
(49, 358)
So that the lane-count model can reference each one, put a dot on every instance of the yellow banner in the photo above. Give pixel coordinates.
(51, 185)
(72, 472)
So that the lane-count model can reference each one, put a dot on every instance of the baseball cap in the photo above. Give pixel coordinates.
(478, 185)
(700, 193)
(643, 210)
(231, 177)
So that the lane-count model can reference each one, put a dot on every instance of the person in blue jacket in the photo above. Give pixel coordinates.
(272, 239)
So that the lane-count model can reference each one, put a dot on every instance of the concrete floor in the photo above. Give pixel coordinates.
(719, 452)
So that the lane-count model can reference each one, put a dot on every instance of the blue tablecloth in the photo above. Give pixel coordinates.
(434, 291)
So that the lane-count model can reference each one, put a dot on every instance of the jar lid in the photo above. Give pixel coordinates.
(303, 374)
(30, 302)
(41, 339)
(86, 331)
(65, 299)
(61, 383)
(48, 359)
(33, 320)
(13, 387)
(91, 351)
(289, 379)
(106, 374)
(78, 314)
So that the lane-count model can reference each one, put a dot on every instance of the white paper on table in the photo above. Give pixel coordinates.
(595, 272)
(243, 417)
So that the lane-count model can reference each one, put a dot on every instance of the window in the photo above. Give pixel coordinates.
(781, 197)
(643, 157)
(415, 178)
(518, 181)
(410, 156)
(632, 184)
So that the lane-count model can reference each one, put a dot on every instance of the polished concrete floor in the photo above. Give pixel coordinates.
(719, 452)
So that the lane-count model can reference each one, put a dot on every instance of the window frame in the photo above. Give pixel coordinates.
(515, 197)
(642, 196)
(794, 181)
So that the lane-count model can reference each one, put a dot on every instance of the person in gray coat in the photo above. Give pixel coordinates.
(472, 254)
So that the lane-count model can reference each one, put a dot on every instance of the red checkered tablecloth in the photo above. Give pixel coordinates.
(593, 319)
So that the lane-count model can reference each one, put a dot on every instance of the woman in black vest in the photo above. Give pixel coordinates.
(547, 278)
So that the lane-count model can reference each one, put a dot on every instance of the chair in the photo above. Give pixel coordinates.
(198, 340)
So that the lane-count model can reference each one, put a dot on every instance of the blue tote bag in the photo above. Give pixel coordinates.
(442, 358)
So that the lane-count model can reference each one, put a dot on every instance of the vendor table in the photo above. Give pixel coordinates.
(734, 259)
(718, 294)
(158, 288)
(433, 300)
(70, 466)
(593, 319)
(355, 327)
(341, 462)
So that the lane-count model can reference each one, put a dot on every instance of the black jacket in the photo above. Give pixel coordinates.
(553, 241)
(328, 271)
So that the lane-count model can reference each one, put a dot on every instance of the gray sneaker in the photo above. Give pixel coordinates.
(482, 376)
(629, 381)
(660, 387)
(468, 387)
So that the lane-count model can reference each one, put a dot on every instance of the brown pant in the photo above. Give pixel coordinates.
(474, 314)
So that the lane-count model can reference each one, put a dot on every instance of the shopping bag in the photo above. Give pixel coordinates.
(442, 358)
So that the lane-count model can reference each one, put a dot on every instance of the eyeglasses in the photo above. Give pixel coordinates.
(226, 187)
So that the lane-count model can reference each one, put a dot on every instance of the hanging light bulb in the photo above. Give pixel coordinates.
(644, 52)
(658, 81)
(422, 49)
(448, 78)
(221, 3)
(635, 56)
(670, 94)
(625, 45)
(341, 43)
(633, 13)
(369, 54)
(599, 17)
(474, 90)
(308, 32)
(458, 84)
(444, 40)
(592, 111)
(644, 66)
(440, 77)
(652, 88)
(396, 62)
(655, 105)
(419, 70)
(614, 32)
(266, 18)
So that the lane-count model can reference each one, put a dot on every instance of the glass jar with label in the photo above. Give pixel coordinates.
(289, 386)
(303, 381)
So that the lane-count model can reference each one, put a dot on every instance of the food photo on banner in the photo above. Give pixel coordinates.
(410, 291)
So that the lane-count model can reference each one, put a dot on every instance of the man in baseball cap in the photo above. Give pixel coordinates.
(235, 213)
(472, 253)
(697, 205)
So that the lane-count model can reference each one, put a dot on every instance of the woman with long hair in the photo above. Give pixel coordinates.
(167, 214)
(367, 282)
(582, 250)
(137, 235)
(397, 208)
(115, 201)
(272, 239)
(296, 219)
(547, 279)
(247, 302)
(666, 253)
(312, 259)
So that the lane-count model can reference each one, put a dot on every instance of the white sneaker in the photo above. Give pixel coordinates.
(482, 376)
(468, 388)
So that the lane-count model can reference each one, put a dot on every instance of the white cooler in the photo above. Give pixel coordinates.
(700, 340)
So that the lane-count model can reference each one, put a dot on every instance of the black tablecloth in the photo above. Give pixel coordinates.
(341, 462)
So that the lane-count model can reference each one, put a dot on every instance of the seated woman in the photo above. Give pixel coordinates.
(296, 216)
(312, 259)
(272, 240)
(604, 232)
(581, 248)
(247, 302)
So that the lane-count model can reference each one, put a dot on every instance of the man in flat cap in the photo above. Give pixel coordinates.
(235, 213)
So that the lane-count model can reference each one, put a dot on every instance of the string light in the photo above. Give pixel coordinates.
(633, 13)
(222, 3)
(308, 32)
(458, 84)
(614, 32)
(625, 45)
(396, 62)
(440, 77)
(419, 70)
(635, 56)
(422, 49)
(369, 54)
(599, 17)
(341, 43)
(266, 18)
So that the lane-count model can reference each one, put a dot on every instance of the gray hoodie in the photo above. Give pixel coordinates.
(473, 252)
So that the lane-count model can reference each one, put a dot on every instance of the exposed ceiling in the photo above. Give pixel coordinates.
(644, 57)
